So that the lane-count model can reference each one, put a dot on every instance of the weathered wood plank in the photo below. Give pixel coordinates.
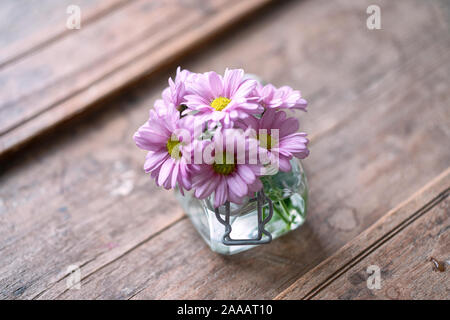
(370, 171)
(83, 200)
(68, 76)
(383, 233)
(29, 25)
(406, 269)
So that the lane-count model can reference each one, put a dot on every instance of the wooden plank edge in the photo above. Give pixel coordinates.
(318, 278)
(142, 67)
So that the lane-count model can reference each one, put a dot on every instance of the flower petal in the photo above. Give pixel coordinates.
(165, 171)
(215, 84)
(220, 193)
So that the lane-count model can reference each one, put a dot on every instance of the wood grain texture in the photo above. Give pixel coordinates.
(29, 25)
(348, 192)
(80, 197)
(383, 235)
(68, 76)
(406, 270)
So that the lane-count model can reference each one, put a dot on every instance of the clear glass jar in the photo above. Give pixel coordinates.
(288, 192)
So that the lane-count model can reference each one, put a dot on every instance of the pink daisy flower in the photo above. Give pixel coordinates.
(167, 139)
(174, 95)
(281, 145)
(224, 98)
(282, 98)
(228, 175)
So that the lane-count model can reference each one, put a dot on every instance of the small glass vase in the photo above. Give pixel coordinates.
(288, 192)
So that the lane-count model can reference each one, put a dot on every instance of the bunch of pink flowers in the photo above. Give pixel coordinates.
(219, 135)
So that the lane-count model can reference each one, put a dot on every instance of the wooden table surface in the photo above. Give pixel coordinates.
(72, 188)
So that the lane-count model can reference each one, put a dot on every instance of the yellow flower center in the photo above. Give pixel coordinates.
(266, 141)
(224, 167)
(173, 147)
(220, 103)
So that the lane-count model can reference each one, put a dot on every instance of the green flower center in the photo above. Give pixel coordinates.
(173, 147)
(266, 141)
(224, 167)
(220, 103)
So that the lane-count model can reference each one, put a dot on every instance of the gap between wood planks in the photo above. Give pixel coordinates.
(394, 222)
(102, 62)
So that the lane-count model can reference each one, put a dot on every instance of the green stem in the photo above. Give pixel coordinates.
(286, 209)
(281, 212)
